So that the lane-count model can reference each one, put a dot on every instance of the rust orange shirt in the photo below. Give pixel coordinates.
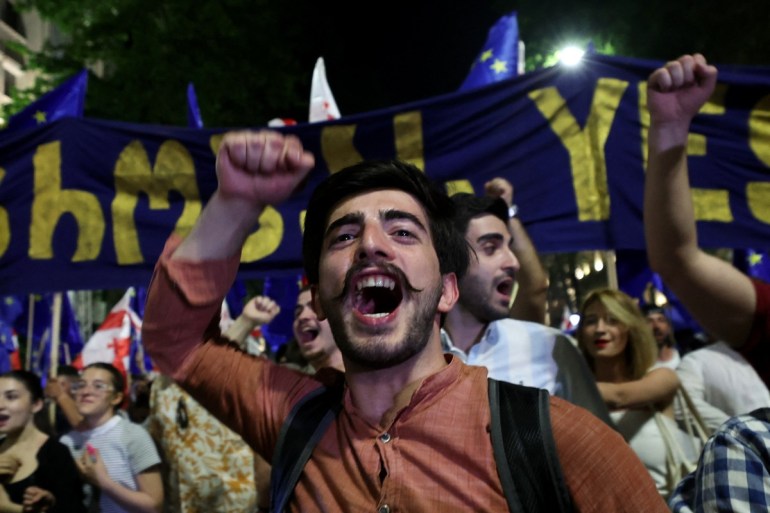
(435, 456)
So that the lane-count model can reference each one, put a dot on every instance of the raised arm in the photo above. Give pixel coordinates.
(55, 390)
(531, 298)
(258, 311)
(254, 169)
(718, 295)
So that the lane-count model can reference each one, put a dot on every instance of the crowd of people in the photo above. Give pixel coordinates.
(418, 307)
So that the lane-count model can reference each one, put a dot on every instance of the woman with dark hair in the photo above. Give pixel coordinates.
(37, 472)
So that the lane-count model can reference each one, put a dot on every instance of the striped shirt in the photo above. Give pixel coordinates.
(126, 449)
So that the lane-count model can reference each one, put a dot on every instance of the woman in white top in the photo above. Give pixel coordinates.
(620, 348)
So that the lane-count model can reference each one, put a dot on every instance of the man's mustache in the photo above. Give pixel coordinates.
(385, 267)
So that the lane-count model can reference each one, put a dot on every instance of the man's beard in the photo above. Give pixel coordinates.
(478, 301)
(376, 352)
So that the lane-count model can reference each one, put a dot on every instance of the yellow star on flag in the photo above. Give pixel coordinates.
(40, 117)
(486, 56)
(755, 259)
(499, 66)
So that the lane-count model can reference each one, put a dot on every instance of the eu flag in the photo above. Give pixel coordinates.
(11, 309)
(67, 100)
(754, 263)
(194, 119)
(284, 291)
(499, 58)
(71, 343)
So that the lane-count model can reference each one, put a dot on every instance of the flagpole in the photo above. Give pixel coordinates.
(54, 356)
(612, 270)
(30, 328)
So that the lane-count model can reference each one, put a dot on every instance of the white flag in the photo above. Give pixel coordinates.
(322, 104)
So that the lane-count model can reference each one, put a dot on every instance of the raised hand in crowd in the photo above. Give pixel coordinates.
(719, 296)
(261, 310)
(57, 389)
(255, 169)
(257, 311)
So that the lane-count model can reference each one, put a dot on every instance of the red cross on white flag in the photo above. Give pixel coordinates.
(322, 104)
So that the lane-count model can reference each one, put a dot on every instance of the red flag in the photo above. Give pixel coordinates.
(111, 343)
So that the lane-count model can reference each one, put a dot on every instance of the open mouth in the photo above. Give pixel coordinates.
(505, 287)
(4, 418)
(308, 333)
(377, 295)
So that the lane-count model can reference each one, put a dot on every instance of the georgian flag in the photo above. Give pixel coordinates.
(111, 343)
(322, 104)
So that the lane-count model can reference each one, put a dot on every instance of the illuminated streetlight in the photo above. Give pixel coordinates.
(570, 56)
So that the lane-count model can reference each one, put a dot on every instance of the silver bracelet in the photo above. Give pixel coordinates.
(512, 211)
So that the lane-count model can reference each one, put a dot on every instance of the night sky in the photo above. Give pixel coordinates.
(400, 52)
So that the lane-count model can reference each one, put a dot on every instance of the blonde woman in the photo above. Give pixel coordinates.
(620, 348)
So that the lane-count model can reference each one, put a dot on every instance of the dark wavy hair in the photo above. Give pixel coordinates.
(30, 380)
(467, 206)
(450, 245)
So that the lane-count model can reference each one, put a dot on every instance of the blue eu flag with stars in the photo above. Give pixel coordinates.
(499, 58)
(67, 100)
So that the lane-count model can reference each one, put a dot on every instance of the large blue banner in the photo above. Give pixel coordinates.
(88, 203)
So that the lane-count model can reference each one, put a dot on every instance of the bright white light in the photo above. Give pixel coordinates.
(579, 273)
(598, 262)
(570, 56)
(574, 319)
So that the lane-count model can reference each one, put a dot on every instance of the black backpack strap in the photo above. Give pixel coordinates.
(300, 433)
(524, 449)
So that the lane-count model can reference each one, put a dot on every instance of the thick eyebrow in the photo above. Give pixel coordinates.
(390, 215)
(356, 218)
(493, 237)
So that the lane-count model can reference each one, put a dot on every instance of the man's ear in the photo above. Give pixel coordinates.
(316, 300)
(450, 293)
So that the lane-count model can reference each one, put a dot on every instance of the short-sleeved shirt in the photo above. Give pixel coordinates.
(126, 449)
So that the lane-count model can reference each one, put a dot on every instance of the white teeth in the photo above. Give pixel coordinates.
(377, 315)
(376, 281)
